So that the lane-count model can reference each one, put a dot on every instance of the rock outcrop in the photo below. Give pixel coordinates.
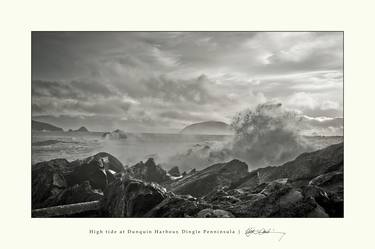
(174, 171)
(149, 172)
(82, 129)
(218, 175)
(99, 170)
(78, 193)
(59, 182)
(128, 197)
(299, 171)
(99, 186)
(48, 181)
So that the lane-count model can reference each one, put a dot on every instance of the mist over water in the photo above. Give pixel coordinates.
(263, 136)
(267, 135)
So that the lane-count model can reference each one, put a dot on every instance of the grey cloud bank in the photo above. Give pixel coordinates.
(163, 81)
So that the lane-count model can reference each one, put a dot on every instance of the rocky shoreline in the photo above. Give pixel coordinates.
(100, 186)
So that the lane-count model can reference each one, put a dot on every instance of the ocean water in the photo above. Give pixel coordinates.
(182, 150)
(135, 148)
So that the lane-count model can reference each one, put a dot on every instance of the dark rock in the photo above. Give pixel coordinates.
(300, 171)
(284, 201)
(177, 206)
(318, 212)
(58, 182)
(274, 186)
(214, 213)
(47, 181)
(149, 172)
(53, 182)
(215, 176)
(333, 181)
(75, 194)
(174, 171)
(95, 169)
(128, 197)
(82, 129)
(331, 202)
(192, 171)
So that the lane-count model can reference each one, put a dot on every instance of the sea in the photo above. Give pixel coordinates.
(167, 149)
(47, 145)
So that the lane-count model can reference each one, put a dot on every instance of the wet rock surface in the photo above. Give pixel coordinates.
(59, 182)
(128, 197)
(149, 172)
(76, 194)
(174, 171)
(223, 190)
(200, 183)
(48, 181)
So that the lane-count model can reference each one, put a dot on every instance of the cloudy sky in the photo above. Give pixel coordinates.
(163, 81)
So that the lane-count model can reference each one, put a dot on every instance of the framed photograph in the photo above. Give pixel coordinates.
(189, 124)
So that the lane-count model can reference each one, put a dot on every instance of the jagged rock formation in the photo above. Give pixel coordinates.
(41, 126)
(299, 171)
(149, 172)
(202, 182)
(59, 182)
(174, 171)
(48, 181)
(82, 192)
(131, 198)
(310, 186)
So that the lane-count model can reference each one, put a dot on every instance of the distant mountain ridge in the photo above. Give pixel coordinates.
(41, 126)
(208, 127)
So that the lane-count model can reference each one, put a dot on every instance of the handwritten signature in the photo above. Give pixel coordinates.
(263, 231)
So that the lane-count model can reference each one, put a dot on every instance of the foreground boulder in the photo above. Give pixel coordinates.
(99, 170)
(99, 186)
(48, 181)
(202, 182)
(76, 194)
(58, 182)
(275, 200)
(128, 197)
(177, 206)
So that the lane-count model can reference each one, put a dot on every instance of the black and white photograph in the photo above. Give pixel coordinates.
(187, 124)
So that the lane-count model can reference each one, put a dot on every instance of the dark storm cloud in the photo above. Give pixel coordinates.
(165, 80)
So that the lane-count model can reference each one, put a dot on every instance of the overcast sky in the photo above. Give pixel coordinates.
(160, 81)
